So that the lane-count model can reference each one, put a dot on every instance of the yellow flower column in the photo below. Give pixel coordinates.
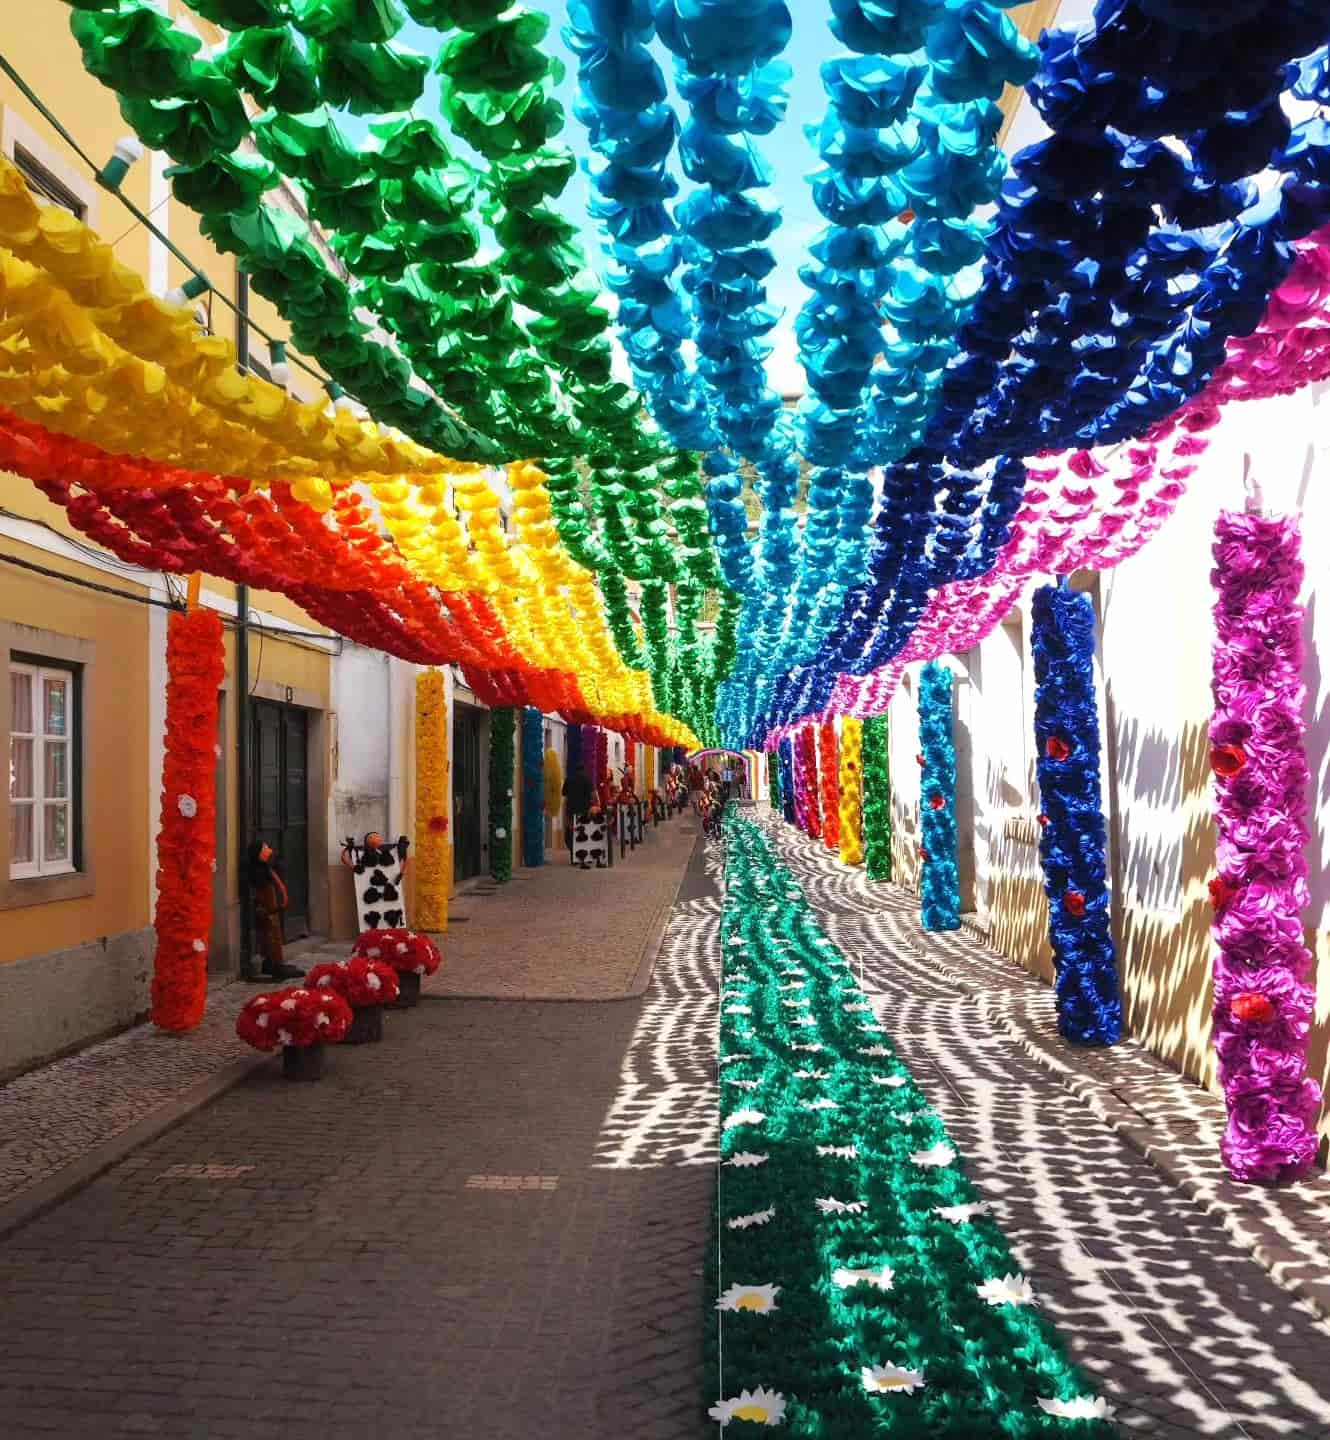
(851, 790)
(433, 847)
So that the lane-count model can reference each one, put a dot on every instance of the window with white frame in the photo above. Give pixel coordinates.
(43, 775)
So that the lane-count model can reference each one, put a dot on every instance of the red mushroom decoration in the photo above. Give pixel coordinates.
(1227, 760)
(1253, 1006)
(1073, 902)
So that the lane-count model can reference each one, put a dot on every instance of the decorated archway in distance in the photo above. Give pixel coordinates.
(747, 758)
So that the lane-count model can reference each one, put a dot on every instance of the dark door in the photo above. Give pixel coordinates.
(467, 724)
(281, 800)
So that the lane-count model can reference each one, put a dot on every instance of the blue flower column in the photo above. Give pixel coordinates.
(1073, 844)
(940, 886)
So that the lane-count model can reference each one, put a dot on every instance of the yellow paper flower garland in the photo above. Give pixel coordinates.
(433, 869)
(851, 790)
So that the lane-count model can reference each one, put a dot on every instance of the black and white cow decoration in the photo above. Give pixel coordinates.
(379, 870)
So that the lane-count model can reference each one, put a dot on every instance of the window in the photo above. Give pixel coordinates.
(44, 184)
(43, 769)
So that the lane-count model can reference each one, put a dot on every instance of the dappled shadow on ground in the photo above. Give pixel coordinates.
(1182, 1330)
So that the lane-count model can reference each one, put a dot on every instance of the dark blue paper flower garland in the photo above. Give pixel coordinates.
(939, 886)
(533, 787)
(787, 804)
(1073, 846)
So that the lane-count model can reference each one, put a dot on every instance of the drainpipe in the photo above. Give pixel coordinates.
(242, 773)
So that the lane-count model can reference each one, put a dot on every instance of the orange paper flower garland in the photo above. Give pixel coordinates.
(186, 840)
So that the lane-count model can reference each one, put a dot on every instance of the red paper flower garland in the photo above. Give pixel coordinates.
(829, 769)
(186, 840)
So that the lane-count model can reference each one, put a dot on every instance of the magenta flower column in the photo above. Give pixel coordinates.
(1263, 1002)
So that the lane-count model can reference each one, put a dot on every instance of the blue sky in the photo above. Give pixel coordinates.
(788, 149)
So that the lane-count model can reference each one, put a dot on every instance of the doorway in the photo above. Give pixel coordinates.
(468, 729)
(280, 799)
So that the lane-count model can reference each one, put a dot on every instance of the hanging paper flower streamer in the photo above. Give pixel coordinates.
(851, 791)
(533, 787)
(433, 853)
(502, 725)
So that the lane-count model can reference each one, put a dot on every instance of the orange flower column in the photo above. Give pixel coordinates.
(828, 764)
(186, 847)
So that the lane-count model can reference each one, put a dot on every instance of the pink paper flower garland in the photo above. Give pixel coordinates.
(1263, 1001)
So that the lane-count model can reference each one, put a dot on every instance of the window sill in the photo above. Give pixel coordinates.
(45, 889)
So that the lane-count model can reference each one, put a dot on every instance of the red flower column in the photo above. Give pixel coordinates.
(195, 666)
(828, 759)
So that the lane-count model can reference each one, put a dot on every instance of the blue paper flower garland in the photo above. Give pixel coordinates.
(1073, 846)
(533, 787)
(787, 803)
(939, 886)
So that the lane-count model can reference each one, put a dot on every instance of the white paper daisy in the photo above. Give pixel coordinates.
(961, 1214)
(1010, 1290)
(811, 1074)
(793, 970)
(857, 1008)
(1083, 1407)
(814, 1047)
(796, 1004)
(891, 1379)
(874, 1050)
(939, 1154)
(795, 985)
(803, 1020)
(744, 1084)
(737, 1055)
(870, 1029)
(761, 1299)
(736, 942)
(895, 1081)
(187, 805)
(743, 1117)
(738, 1009)
(832, 1206)
(746, 1159)
(847, 1279)
(838, 1152)
(755, 1217)
(740, 975)
(283, 1037)
(821, 1103)
(764, 1407)
(734, 994)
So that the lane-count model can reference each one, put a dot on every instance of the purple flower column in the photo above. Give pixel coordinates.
(1263, 1003)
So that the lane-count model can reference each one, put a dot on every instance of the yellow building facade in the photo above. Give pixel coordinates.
(77, 842)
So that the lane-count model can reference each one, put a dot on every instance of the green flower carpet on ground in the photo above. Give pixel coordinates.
(860, 1287)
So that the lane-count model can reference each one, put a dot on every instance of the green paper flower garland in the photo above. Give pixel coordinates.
(503, 724)
(877, 798)
(862, 1289)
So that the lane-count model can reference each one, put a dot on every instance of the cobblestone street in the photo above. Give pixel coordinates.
(494, 1226)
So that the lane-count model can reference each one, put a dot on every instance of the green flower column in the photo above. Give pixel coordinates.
(502, 728)
(877, 798)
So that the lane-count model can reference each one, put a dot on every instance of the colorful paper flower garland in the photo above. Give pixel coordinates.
(851, 791)
(828, 764)
(1074, 846)
(939, 884)
(533, 787)
(1264, 995)
(503, 722)
(877, 797)
(186, 841)
(432, 871)
(861, 1285)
